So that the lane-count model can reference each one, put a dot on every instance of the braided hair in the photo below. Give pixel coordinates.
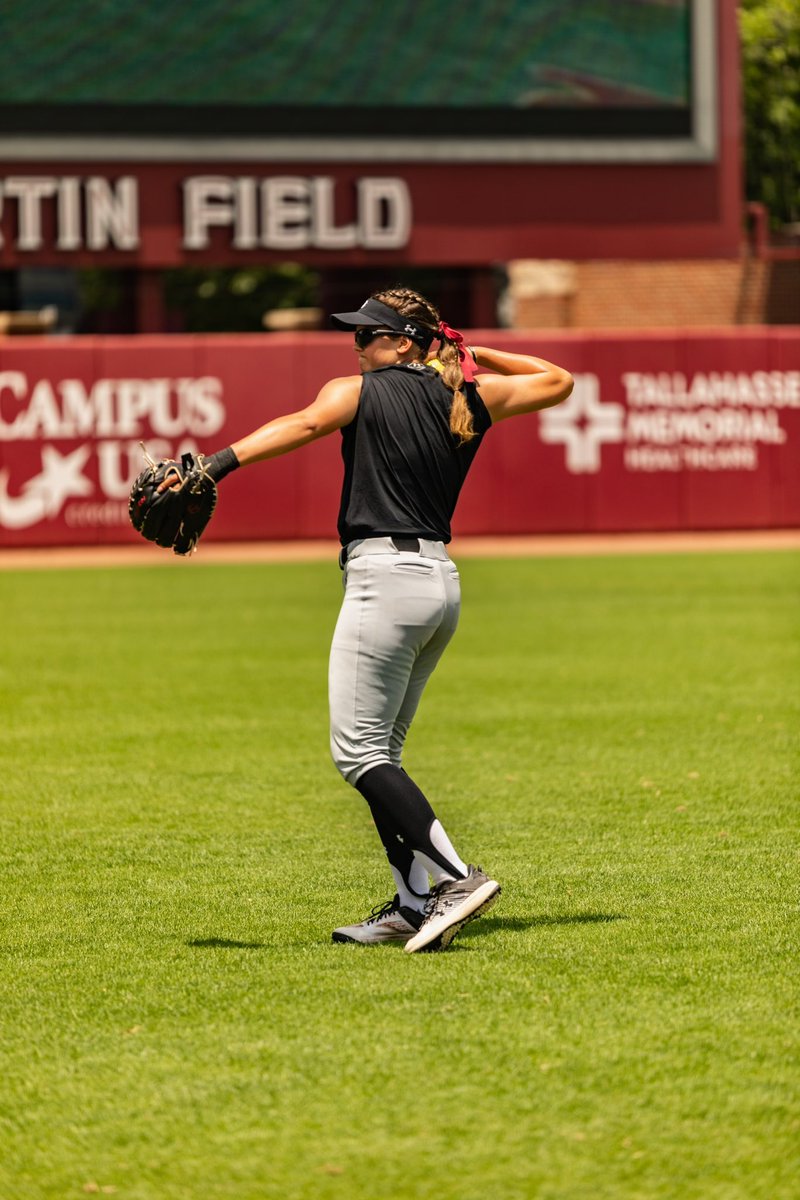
(411, 304)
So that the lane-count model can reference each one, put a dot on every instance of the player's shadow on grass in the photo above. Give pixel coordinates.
(216, 943)
(584, 918)
(487, 924)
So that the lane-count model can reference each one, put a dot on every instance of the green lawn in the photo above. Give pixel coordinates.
(614, 738)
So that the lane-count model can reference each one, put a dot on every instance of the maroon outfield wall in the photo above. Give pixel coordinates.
(666, 430)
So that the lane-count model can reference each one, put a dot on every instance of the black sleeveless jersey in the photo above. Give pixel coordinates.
(403, 468)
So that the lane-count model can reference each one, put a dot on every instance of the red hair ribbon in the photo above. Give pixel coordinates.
(467, 361)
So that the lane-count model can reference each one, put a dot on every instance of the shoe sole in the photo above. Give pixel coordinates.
(343, 937)
(445, 929)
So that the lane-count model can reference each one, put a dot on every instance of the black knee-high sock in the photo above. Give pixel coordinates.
(388, 790)
(411, 879)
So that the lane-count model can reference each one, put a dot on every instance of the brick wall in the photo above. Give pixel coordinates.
(610, 294)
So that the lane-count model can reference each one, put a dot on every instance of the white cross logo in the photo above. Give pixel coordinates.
(582, 425)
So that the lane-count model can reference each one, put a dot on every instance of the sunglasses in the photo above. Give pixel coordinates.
(363, 337)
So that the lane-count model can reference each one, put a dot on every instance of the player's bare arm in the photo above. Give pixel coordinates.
(521, 383)
(334, 407)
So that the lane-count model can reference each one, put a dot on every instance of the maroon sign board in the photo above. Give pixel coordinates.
(664, 431)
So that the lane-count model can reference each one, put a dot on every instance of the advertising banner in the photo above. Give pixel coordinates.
(666, 430)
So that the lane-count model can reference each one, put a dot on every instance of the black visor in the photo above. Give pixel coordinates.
(375, 315)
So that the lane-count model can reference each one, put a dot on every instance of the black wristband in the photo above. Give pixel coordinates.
(221, 464)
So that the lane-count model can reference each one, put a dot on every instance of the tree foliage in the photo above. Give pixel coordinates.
(234, 299)
(770, 36)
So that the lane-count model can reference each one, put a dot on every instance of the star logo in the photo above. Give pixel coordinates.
(43, 496)
(582, 425)
(410, 329)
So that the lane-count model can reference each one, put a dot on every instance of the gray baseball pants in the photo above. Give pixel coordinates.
(400, 610)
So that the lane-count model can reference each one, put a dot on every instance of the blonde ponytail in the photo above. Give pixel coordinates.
(453, 378)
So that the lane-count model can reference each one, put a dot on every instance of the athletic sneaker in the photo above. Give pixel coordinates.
(389, 922)
(450, 906)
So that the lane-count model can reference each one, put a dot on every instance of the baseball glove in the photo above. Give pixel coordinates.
(177, 516)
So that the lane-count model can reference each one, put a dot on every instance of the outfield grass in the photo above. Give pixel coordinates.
(615, 739)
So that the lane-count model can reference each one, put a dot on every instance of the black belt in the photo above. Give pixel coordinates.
(399, 543)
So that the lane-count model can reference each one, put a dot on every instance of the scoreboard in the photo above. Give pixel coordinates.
(158, 135)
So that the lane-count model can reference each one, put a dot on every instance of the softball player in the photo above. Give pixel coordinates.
(411, 426)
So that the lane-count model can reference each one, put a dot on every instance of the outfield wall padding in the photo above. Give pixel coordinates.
(665, 430)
